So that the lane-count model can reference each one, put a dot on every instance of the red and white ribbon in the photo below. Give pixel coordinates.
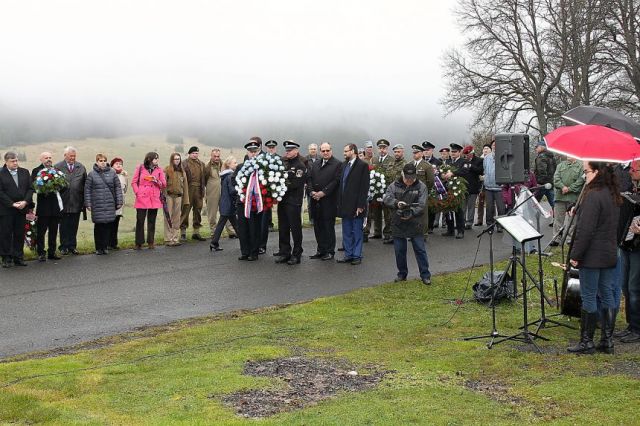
(253, 192)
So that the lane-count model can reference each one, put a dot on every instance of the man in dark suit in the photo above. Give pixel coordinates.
(353, 190)
(48, 212)
(322, 188)
(15, 200)
(72, 200)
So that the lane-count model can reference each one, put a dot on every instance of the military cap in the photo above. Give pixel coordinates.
(383, 142)
(455, 147)
(368, 144)
(193, 149)
(467, 149)
(271, 143)
(289, 145)
(417, 148)
(398, 146)
(428, 145)
(445, 149)
(409, 170)
(251, 145)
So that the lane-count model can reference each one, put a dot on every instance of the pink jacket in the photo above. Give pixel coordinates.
(148, 192)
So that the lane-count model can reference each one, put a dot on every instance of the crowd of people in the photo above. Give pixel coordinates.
(606, 237)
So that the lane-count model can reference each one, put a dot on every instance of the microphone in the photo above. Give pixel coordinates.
(545, 186)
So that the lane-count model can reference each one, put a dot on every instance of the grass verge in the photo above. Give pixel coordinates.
(181, 373)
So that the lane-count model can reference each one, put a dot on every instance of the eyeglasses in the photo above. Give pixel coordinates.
(325, 150)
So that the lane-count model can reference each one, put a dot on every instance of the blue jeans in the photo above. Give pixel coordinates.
(596, 282)
(419, 249)
(630, 280)
(352, 235)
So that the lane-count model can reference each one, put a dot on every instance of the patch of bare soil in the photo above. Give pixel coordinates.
(307, 381)
(494, 390)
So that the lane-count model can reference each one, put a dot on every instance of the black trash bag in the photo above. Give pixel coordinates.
(483, 292)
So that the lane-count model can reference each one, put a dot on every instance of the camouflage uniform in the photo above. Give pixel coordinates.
(376, 211)
(393, 172)
(425, 174)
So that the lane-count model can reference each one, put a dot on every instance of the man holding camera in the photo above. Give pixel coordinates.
(407, 198)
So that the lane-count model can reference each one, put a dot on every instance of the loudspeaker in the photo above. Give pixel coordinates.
(512, 157)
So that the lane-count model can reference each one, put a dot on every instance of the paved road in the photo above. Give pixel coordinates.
(81, 298)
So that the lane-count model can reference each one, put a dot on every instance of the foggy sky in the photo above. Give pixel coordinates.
(190, 65)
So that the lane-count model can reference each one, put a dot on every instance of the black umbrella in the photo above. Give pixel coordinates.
(587, 114)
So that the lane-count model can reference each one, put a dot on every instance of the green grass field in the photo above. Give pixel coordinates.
(179, 374)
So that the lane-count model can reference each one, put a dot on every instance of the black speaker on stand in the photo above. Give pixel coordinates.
(512, 158)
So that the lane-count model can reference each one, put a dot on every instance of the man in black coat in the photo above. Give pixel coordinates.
(16, 196)
(290, 208)
(455, 219)
(249, 221)
(322, 188)
(72, 200)
(48, 212)
(353, 190)
(472, 169)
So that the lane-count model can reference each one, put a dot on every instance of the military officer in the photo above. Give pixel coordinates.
(377, 212)
(427, 155)
(425, 174)
(455, 219)
(267, 217)
(290, 208)
(249, 220)
(395, 171)
(368, 153)
(445, 158)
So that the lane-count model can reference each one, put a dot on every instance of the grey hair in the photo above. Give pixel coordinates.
(313, 145)
(10, 155)
(70, 149)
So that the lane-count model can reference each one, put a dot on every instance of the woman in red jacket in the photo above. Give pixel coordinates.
(147, 183)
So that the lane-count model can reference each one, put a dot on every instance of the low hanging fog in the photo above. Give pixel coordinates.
(225, 71)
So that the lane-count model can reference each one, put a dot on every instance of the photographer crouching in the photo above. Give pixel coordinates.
(407, 197)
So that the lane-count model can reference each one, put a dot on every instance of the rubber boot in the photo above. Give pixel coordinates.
(608, 317)
(587, 329)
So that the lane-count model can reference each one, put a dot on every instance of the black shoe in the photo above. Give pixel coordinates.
(622, 333)
(344, 260)
(327, 256)
(294, 260)
(459, 235)
(215, 248)
(100, 252)
(632, 337)
(587, 329)
(64, 252)
(448, 234)
(183, 237)
(197, 237)
(283, 259)
(341, 249)
(262, 250)
(400, 278)
(74, 251)
(19, 262)
(276, 254)
(42, 258)
(554, 244)
(6, 263)
(376, 237)
(356, 261)
(430, 231)
(316, 256)
(387, 241)
(252, 258)
(232, 236)
(467, 227)
(365, 239)
(243, 257)
(426, 281)
(608, 317)
(477, 224)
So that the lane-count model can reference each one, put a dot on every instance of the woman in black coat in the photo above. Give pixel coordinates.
(594, 252)
(228, 200)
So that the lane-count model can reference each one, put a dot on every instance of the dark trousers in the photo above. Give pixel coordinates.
(289, 227)
(431, 219)
(266, 222)
(455, 220)
(249, 232)
(222, 221)
(113, 238)
(69, 231)
(150, 216)
(102, 234)
(419, 249)
(47, 224)
(12, 236)
(631, 287)
(325, 232)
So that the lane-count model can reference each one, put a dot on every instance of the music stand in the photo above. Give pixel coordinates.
(522, 232)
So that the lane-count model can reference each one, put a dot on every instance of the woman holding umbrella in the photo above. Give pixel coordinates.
(147, 183)
(594, 252)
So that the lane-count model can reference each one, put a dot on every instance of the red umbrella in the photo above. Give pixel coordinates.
(593, 143)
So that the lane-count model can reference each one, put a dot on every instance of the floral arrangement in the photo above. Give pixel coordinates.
(377, 186)
(447, 195)
(269, 181)
(49, 181)
(30, 231)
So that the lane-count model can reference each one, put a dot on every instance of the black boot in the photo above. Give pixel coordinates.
(608, 317)
(587, 329)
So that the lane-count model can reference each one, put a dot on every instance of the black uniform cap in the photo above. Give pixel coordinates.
(455, 147)
(417, 148)
(193, 149)
(271, 143)
(289, 145)
(383, 142)
(428, 145)
(251, 145)
(445, 149)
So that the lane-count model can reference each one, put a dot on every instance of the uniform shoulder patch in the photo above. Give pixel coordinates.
(299, 173)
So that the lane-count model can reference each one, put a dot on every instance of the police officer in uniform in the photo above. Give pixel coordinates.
(249, 228)
(381, 163)
(267, 217)
(425, 174)
(455, 219)
(395, 172)
(290, 208)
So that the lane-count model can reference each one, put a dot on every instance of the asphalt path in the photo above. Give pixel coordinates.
(81, 298)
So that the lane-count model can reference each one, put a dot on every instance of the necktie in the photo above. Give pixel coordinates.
(345, 173)
(70, 168)
(323, 163)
